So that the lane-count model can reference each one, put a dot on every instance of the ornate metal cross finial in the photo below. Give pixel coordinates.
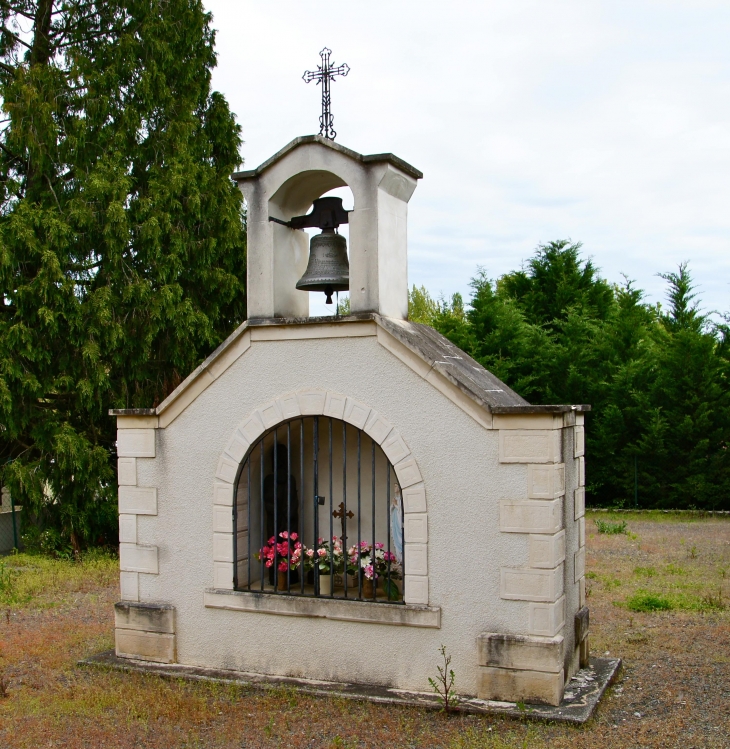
(324, 74)
(343, 519)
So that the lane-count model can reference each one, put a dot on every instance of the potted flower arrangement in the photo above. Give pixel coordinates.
(328, 559)
(375, 564)
(286, 554)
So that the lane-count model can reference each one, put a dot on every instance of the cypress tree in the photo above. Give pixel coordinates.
(122, 251)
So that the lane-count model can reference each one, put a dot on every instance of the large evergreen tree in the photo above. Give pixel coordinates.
(122, 252)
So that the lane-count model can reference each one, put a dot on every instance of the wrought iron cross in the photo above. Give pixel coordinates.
(325, 73)
(341, 515)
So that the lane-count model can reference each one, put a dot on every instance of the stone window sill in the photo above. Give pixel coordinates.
(406, 615)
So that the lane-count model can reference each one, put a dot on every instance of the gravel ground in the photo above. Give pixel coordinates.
(674, 690)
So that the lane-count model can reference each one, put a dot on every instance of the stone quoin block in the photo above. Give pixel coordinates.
(223, 547)
(129, 586)
(512, 685)
(311, 402)
(416, 589)
(579, 502)
(529, 446)
(137, 500)
(525, 584)
(579, 442)
(289, 405)
(416, 559)
(237, 447)
(581, 471)
(582, 592)
(128, 529)
(414, 498)
(270, 414)
(136, 443)
(356, 413)
(530, 516)
(127, 471)
(227, 469)
(407, 473)
(521, 652)
(547, 619)
(580, 564)
(415, 528)
(581, 532)
(395, 448)
(137, 558)
(547, 551)
(145, 646)
(223, 575)
(545, 481)
(334, 405)
(222, 519)
(223, 494)
(252, 428)
(148, 617)
(377, 427)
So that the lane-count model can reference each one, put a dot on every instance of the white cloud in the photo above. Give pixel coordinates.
(605, 122)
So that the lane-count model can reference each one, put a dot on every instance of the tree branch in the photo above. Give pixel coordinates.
(7, 31)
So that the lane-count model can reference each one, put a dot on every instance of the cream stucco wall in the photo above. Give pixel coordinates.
(464, 481)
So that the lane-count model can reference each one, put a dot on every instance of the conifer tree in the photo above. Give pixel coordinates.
(122, 252)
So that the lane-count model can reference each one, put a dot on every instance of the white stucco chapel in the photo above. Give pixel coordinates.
(334, 498)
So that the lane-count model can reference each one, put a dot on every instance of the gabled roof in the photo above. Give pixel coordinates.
(428, 346)
(302, 139)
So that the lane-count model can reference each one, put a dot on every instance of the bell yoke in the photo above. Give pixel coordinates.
(328, 269)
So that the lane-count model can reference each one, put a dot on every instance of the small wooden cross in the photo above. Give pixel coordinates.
(325, 73)
(341, 515)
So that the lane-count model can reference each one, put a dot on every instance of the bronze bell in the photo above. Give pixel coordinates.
(328, 269)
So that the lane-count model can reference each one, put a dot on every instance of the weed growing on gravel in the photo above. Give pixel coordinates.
(645, 571)
(609, 528)
(643, 601)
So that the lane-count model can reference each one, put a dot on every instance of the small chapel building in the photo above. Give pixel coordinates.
(334, 498)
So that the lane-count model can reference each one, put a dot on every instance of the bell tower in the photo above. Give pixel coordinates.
(282, 189)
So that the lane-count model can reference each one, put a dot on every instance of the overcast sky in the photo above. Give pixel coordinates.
(604, 122)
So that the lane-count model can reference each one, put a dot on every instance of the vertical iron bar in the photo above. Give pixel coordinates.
(344, 502)
(387, 521)
(357, 553)
(372, 512)
(301, 496)
(315, 429)
(288, 507)
(402, 539)
(234, 520)
(262, 520)
(276, 513)
(248, 521)
(332, 520)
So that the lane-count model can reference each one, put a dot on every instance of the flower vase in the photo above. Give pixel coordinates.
(325, 585)
(281, 579)
(367, 588)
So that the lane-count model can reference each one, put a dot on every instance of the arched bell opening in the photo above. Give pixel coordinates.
(318, 513)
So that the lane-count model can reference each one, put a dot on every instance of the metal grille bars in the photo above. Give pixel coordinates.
(293, 485)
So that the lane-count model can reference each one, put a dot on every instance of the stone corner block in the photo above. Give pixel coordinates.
(137, 500)
(579, 502)
(136, 443)
(129, 586)
(580, 564)
(147, 617)
(545, 481)
(579, 442)
(137, 558)
(527, 584)
(530, 516)
(547, 552)
(547, 619)
(521, 652)
(529, 446)
(145, 646)
(512, 685)
(127, 471)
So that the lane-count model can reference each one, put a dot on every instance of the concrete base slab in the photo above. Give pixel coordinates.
(582, 692)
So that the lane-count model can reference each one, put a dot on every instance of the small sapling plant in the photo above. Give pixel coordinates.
(443, 685)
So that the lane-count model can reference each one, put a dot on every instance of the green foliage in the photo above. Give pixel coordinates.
(642, 601)
(443, 684)
(609, 528)
(658, 380)
(122, 254)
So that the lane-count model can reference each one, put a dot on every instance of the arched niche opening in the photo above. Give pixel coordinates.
(330, 484)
